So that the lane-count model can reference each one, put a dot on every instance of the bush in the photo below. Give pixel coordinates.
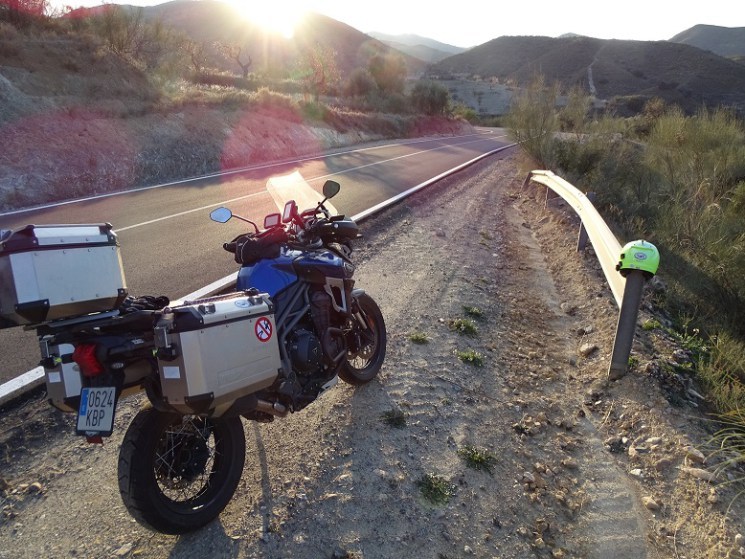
(360, 84)
(532, 119)
(468, 114)
(430, 98)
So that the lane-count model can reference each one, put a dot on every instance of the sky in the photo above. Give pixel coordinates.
(467, 23)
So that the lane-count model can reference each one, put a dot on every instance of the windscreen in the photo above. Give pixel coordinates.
(284, 188)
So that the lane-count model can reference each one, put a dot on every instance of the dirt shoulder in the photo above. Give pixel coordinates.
(571, 466)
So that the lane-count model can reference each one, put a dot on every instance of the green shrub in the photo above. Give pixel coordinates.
(463, 326)
(533, 121)
(471, 357)
(435, 489)
(360, 83)
(470, 115)
(477, 458)
(430, 98)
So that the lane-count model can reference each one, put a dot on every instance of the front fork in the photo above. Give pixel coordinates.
(361, 334)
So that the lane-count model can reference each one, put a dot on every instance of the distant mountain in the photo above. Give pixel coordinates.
(211, 21)
(724, 41)
(675, 72)
(423, 48)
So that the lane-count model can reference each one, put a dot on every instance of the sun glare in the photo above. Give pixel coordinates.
(277, 17)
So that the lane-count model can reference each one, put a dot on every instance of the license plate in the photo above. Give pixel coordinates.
(96, 412)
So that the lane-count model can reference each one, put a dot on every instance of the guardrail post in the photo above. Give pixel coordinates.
(582, 239)
(639, 262)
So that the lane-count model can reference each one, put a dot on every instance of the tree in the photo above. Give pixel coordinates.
(360, 83)
(574, 114)
(430, 98)
(389, 72)
(21, 12)
(128, 34)
(532, 119)
(319, 71)
(197, 55)
(234, 52)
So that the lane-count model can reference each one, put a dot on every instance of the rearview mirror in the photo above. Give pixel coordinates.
(331, 189)
(221, 215)
(289, 211)
(272, 220)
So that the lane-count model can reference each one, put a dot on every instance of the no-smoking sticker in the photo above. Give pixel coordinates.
(263, 329)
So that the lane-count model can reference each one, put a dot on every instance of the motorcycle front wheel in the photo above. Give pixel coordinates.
(177, 473)
(366, 344)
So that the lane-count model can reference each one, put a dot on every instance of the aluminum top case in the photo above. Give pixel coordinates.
(49, 272)
(215, 350)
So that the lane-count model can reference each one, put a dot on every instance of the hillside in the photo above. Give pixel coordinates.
(423, 48)
(724, 41)
(210, 21)
(675, 72)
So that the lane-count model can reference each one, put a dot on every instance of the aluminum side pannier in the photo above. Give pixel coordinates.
(215, 350)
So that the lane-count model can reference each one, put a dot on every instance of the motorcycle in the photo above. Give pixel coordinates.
(294, 324)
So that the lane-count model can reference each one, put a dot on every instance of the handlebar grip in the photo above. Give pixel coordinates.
(230, 247)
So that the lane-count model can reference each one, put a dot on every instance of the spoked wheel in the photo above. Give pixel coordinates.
(177, 473)
(366, 344)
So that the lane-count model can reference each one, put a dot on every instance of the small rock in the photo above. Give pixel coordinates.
(124, 550)
(699, 474)
(615, 445)
(663, 464)
(467, 550)
(654, 440)
(568, 309)
(695, 455)
(739, 540)
(651, 503)
(570, 463)
(637, 472)
(528, 478)
(35, 488)
(682, 356)
(713, 497)
(587, 349)
(635, 451)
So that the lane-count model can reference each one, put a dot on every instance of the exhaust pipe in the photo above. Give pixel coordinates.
(276, 409)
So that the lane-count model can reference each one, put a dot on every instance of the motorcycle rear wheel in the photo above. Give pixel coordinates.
(363, 363)
(177, 473)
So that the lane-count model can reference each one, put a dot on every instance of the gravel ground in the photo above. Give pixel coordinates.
(571, 466)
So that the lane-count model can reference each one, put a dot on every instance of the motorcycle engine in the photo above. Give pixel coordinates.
(305, 351)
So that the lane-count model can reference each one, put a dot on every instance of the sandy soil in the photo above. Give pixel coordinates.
(575, 466)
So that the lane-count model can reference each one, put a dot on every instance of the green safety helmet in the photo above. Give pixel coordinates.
(639, 255)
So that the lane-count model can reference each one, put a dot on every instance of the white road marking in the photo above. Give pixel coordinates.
(229, 172)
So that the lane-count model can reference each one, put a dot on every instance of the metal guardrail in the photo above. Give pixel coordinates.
(626, 268)
(602, 238)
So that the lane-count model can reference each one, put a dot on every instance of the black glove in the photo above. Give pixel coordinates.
(144, 303)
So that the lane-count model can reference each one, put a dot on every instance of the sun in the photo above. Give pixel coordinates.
(276, 17)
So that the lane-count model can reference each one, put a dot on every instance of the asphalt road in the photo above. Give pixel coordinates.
(169, 245)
